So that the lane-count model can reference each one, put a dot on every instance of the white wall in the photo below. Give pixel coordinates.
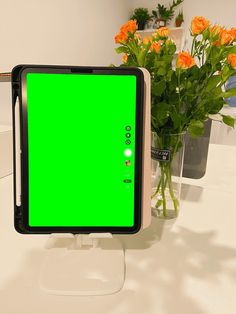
(72, 32)
(217, 11)
(150, 4)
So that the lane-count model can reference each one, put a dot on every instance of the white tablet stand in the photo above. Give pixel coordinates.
(92, 264)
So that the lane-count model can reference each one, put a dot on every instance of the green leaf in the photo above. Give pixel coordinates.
(215, 106)
(213, 82)
(176, 118)
(232, 50)
(188, 85)
(174, 81)
(158, 88)
(206, 33)
(169, 75)
(230, 121)
(231, 92)
(194, 72)
(154, 122)
(161, 71)
(167, 59)
(121, 49)
(196, 128)
(159, 63)
(161, 113)
(171, 50)
(226, 72)
(154, 13)
(217, 92)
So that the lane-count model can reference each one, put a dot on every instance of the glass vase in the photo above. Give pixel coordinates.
(167, 167)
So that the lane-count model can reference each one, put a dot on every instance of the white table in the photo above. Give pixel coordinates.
(187, 266)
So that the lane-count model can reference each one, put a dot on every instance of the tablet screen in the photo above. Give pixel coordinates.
(81, 149)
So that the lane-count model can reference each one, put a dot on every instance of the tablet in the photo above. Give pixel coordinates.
(78, 134)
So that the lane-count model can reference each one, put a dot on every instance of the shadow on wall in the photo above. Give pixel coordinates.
(154, 280)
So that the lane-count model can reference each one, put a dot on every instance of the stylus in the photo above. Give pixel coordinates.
(18, 153)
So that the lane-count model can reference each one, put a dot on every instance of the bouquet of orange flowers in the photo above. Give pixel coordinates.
(186, 88)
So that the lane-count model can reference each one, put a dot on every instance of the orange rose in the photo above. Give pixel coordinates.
(226, 37)
(184, 60)
(233, 33)
(216, 30)
(155, 47)
(130, 26)
(232, 60)
(121, 38)
(125, 58)
(163, 32)
(147, 40)
(216, 43)
(199, 24)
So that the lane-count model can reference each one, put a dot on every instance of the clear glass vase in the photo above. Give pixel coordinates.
(167, 167)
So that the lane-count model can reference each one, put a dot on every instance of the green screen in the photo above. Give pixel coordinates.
(81, 149)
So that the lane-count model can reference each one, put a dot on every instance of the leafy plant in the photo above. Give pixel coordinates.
(180, 16)
(166, 13)
(141, 15)
(187, 91)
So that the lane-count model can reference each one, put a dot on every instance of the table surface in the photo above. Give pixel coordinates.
(182, 266)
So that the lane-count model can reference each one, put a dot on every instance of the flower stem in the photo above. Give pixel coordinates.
(163, 187)
(157, 190)
(192, 48)
(172, 194)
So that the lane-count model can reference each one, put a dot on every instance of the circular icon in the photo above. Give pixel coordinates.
(128, 135)
(128, 152)
(128, 128)
(127, 163)
(127, 142)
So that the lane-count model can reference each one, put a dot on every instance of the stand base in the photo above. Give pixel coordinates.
(83, 265)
